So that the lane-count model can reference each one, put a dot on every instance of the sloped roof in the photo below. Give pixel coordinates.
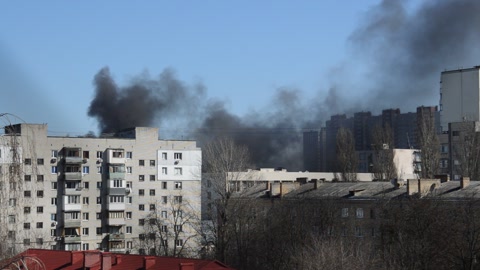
(55, 259)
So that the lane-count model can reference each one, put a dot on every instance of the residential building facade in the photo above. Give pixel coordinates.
(79, 193)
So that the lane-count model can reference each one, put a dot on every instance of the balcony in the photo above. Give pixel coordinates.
(72, 223)
(116, 221)
(116, 206)
(73, 191)
(116, 172)
(116, 237)
(71, 204)
(115, 156)
(72, 238)
(73, 176)
(116, 191)
(74, 160)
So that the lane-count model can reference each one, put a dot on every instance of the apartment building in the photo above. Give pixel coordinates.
(81, 193)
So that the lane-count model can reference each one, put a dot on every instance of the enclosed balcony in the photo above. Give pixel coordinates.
(72, 235)
(116, 246)
(73, 155)
(72, 172)
(72, 188)
(116, 187)
(116, 237)
(71, 203)
(116, 202)
(116, 219)
(116, 171)
(115, 156)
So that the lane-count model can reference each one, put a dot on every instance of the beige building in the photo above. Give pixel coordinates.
(78, 193)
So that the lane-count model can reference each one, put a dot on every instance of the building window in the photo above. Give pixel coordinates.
(39, 209)
(358, 231)
(178, 171)
(177, 213)
(54, 169)
(344, 212)
(129, 155)
(164, 214)
(26, 210)
(40, 193)
(99, 184)
(164, 185)
(129, 170)
(28, 178)
(85, 200)
(40, 161)
(128, 215)
(178, 185)
(54, 185)
(164, 171)
(152, 177)
(164, 199)
(54, 201)
(98, 215)
(99, 230)
(152, 207)
(12, 202)
(177, 156)
(141, 162)
(85, 216)
(99, 169)
(28, 161)
(164, 156)
(141, 178)
(27, 193)
(40, 178)
(152, 192)
(129, 229)
(99, 200)
(86, 185)
(117, 183)
(177, 199)
(129, 200)
(11, 218)
(85, 246)
(53, 216)
(39, 225)
(99, 154)
(141, 192)
(54, 153)
(116, 199)
(164, 228)
(141, 222)
(179, 242)
(152, 163)
(39, 241)
(86, 154)
(26, 226)
(26, 242)
(86, 170)
(141, 207)
(359, 212)
(178, 228)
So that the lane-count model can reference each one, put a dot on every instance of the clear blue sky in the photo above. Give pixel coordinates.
(240, 50)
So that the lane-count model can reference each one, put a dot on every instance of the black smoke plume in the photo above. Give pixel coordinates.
(399, 52)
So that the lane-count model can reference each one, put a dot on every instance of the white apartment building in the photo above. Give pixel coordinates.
(460, 96)
(79, 193)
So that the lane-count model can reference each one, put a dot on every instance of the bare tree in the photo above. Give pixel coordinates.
(429, 143)
(224, 168)
(171, 228)
(465, 144)
(347, 161)
(383, 167)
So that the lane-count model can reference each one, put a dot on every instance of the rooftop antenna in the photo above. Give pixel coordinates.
(408, 141)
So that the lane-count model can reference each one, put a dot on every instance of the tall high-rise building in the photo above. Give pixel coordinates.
(79, 193)
(459, 96)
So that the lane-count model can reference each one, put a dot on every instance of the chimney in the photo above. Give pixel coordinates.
(281, 189)
(106, 261)
(464, 182)
(315, 183)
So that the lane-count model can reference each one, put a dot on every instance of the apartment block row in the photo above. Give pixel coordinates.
(81, 193)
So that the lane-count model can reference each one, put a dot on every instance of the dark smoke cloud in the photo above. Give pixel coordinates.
(404, 52)
(144, 102)
(401, 53)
